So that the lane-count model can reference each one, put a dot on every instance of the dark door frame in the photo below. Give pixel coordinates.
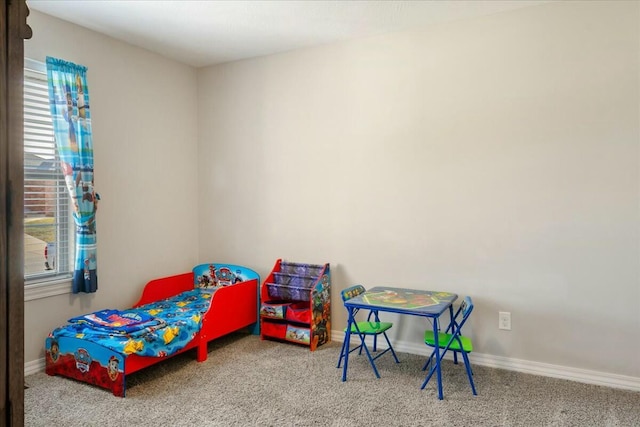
(14, 30)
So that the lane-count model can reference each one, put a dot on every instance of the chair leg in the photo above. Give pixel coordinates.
(424, 368)
(366, 349)
(431, 357)
(431, 371)
(363, 344)
(344, 343)
(467, 365)
(371, 359)
(443, 352)
(342, 351)
(391, 347)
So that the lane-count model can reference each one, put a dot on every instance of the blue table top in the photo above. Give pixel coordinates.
(405, 301)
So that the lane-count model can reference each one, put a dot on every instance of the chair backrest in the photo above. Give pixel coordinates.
(465, 309)
(352, 291)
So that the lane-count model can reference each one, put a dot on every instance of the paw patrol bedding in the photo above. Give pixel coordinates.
(157, 329)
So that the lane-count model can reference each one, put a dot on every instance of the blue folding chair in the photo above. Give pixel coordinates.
(453, 340)
(364, 329)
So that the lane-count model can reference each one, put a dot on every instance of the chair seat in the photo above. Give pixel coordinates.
(443, 339)
(371, 328)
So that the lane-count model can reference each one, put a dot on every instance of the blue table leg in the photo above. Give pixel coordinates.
(346, 346)
(437, 351)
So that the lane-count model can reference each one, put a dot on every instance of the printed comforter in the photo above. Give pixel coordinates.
(157, 329)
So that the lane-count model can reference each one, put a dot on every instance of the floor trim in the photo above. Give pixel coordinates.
(34, 366)
(527, 366)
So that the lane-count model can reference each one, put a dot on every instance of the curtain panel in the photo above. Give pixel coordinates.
(70, 111)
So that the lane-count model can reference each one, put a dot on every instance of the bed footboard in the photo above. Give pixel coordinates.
(232, 308)
(87, 362)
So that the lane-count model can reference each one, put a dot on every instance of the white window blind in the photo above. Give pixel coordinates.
(47, 238)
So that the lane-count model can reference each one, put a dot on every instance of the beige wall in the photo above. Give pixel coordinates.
(495, 157)
(145, 133)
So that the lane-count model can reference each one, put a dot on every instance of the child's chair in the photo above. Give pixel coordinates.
(452, 340)
(365, 329)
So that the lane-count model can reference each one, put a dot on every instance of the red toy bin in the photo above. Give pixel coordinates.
(274, 330)
(299, 312)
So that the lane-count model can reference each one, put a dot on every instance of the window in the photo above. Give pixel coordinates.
(47, 214)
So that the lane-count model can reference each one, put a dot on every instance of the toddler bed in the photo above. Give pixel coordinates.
(174, 314)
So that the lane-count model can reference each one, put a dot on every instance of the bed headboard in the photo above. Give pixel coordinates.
(216, 274)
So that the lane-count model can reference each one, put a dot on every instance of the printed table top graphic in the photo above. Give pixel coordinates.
(406, 299)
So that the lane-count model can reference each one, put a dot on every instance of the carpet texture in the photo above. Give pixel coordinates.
(249, 382)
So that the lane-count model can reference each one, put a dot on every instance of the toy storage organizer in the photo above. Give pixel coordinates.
(296, 304)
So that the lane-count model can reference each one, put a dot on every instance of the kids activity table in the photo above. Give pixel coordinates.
(414, 302)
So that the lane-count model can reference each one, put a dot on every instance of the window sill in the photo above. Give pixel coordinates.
(47, 289)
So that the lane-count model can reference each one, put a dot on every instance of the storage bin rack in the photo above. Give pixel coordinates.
(296, 304)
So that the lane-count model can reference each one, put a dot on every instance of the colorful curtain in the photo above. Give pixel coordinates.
(69, 101)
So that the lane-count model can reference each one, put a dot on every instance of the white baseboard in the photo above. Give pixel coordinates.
(34, 366)
(518, 365)
(526, 366)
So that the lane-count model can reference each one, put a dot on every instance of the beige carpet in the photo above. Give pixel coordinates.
(249, 382)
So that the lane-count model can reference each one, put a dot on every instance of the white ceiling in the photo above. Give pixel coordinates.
(202, 33)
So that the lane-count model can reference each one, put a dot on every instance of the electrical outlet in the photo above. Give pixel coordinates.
(504, 320)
